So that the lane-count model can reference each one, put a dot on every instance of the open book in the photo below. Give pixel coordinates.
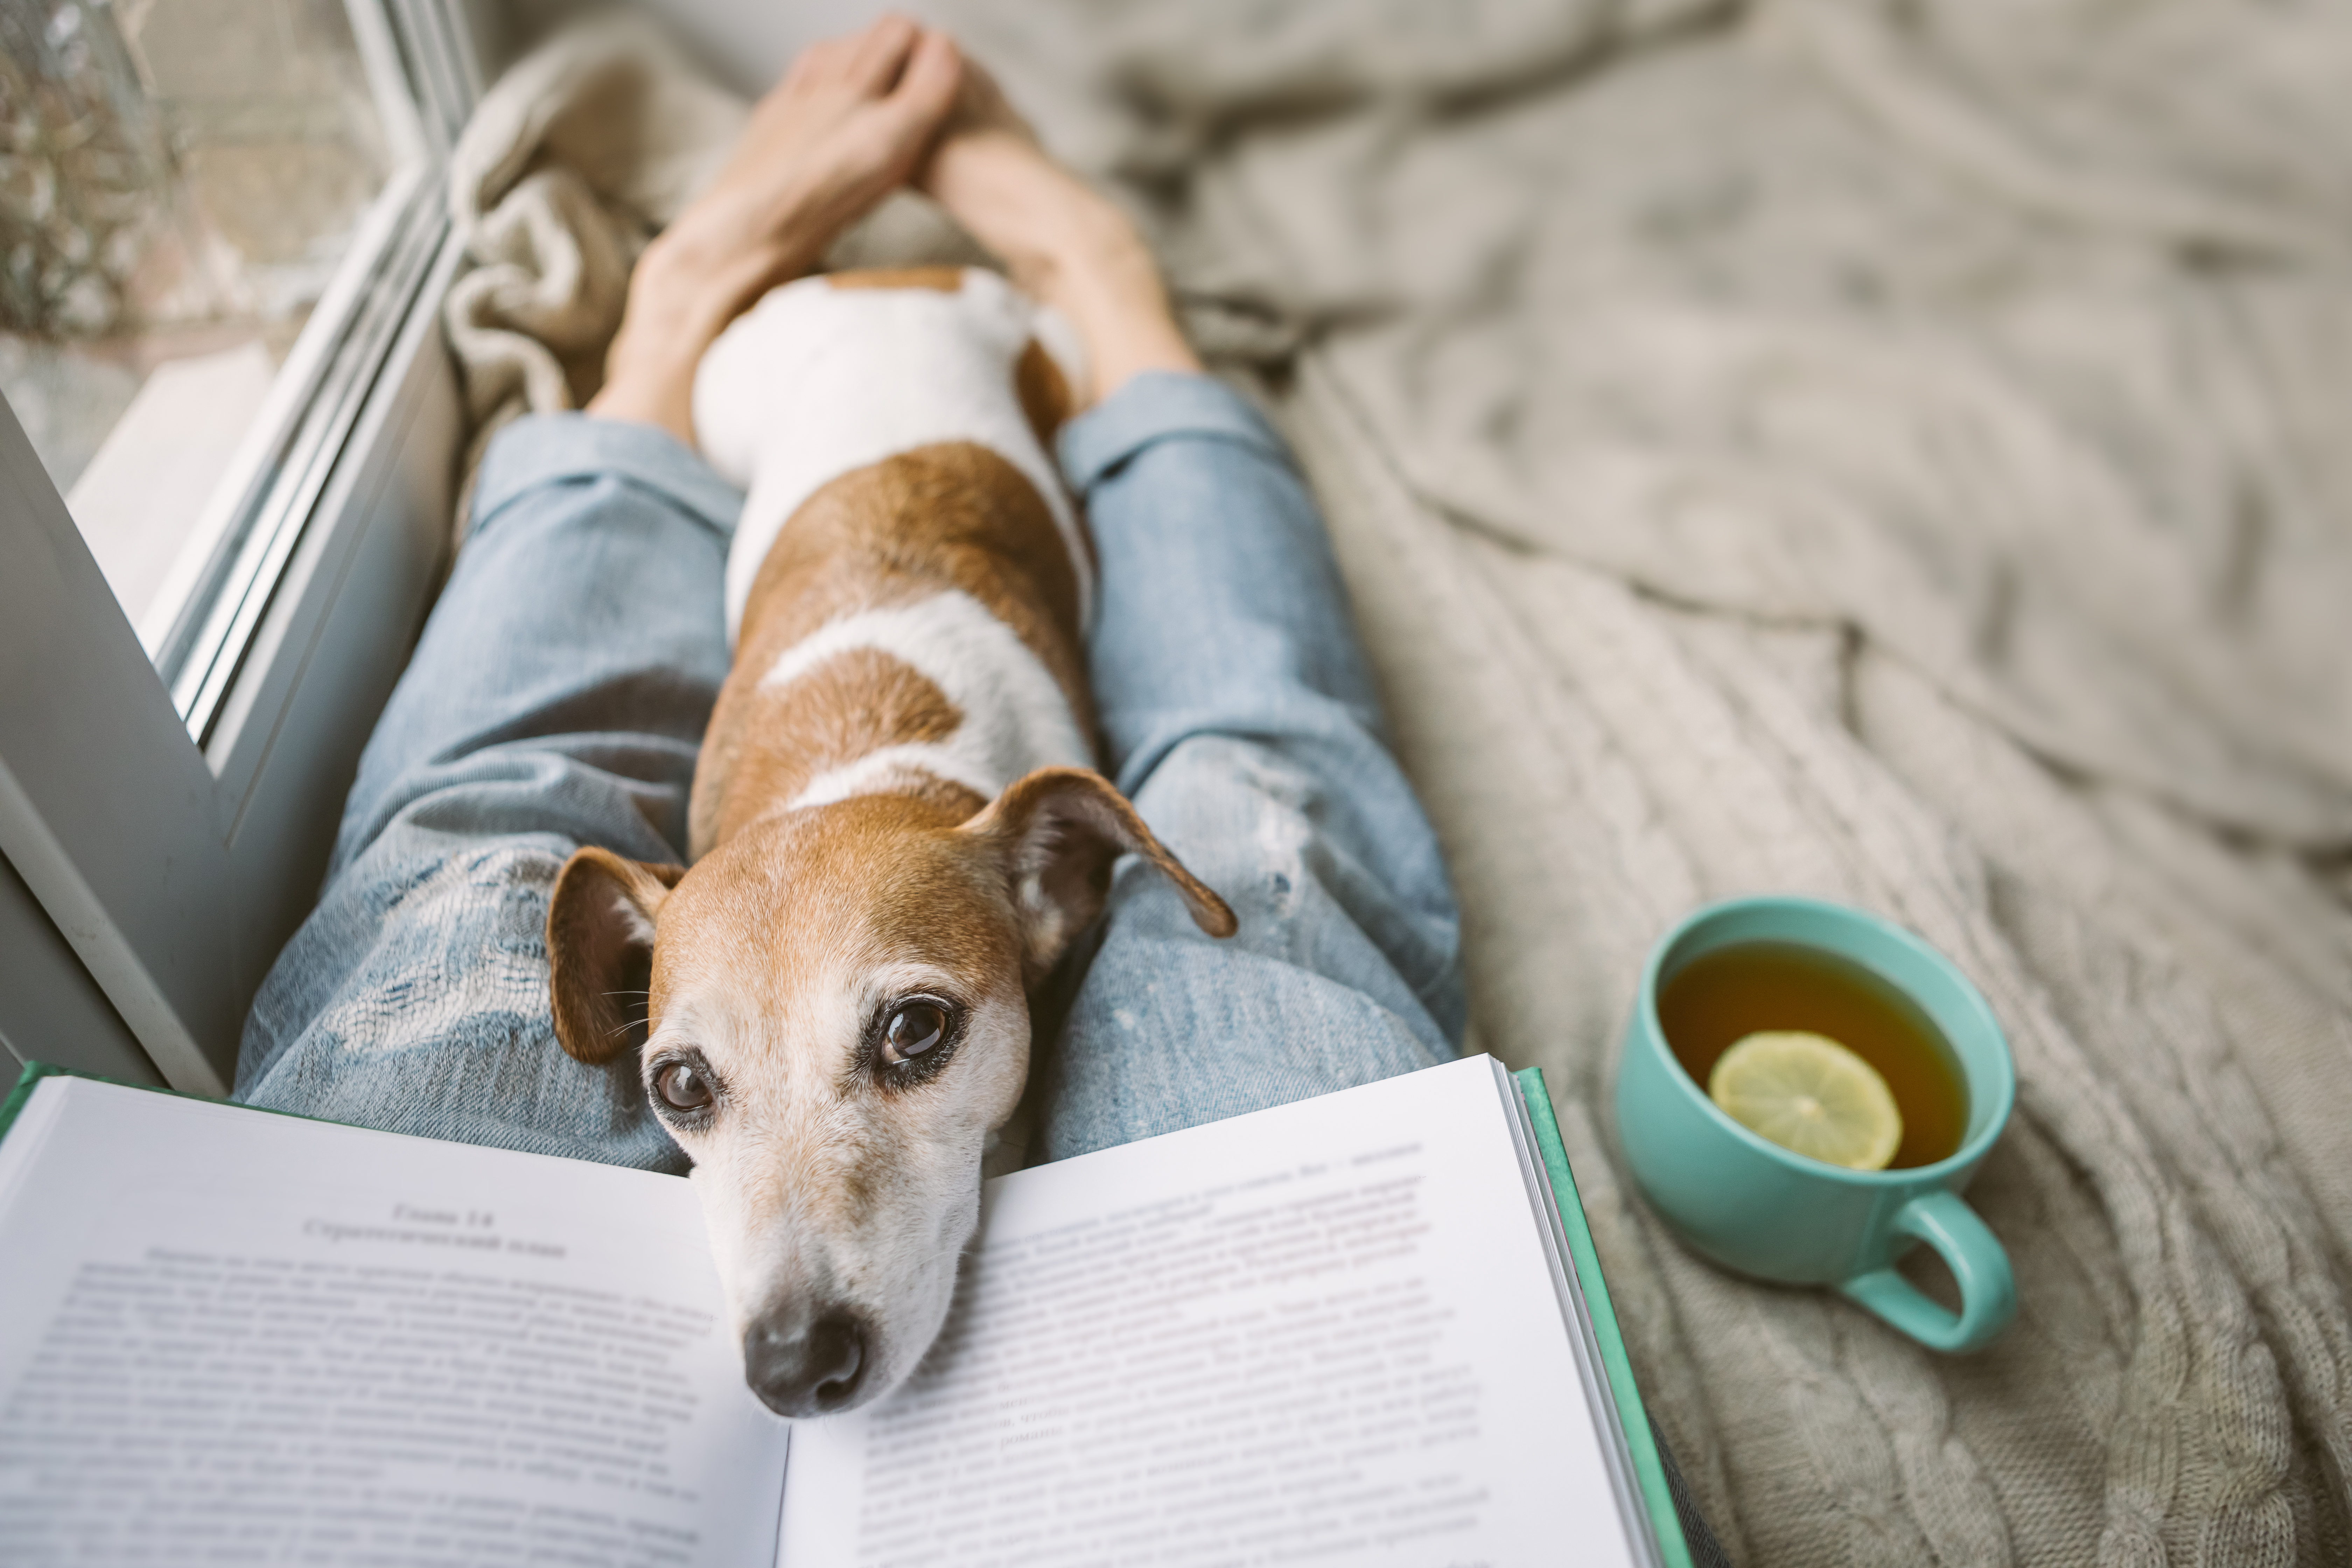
(1364, 1329)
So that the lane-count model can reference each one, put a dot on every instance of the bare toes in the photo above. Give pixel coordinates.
(932, 78)
(879, 54)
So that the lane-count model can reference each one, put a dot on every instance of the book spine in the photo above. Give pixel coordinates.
(1649, 1469)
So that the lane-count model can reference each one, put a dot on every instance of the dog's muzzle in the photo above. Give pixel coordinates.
(808, 1362)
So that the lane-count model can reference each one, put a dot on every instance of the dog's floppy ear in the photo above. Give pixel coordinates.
(599, 951)
(1058, 830)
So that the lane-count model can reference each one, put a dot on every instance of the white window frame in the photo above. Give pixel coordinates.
(165, 818)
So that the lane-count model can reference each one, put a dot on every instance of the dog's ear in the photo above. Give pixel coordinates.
(1058, 830)
(599, 951)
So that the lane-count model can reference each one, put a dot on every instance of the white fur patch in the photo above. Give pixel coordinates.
(814, 382)
(1016, 718)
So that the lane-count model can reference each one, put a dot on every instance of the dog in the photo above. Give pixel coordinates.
(896, 828)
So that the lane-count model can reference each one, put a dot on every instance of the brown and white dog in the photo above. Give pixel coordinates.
(896, 829)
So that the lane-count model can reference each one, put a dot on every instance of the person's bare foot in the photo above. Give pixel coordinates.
(850, 122)
(1063, 241)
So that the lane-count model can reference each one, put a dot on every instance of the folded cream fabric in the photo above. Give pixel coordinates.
(1889, 449)
(575, 158)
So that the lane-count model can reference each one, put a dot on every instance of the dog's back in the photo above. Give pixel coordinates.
(898, 834)
(908, 581)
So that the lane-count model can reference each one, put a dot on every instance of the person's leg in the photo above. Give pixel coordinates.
(1238, 715)
(1237, 710)
(556, 699)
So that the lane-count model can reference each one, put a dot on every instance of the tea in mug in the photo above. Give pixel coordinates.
(1722, 996)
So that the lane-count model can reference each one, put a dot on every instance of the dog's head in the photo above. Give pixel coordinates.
(832, 1011)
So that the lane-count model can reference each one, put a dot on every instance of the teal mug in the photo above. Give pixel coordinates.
(1764, 1211)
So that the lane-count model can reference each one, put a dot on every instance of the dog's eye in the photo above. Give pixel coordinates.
(683, 1087)
(913, 1030)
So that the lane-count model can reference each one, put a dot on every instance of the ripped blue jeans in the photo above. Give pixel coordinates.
(560, 691)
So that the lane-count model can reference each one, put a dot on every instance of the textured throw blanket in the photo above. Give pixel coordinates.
(1894, 451)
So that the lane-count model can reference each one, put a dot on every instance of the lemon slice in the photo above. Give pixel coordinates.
(1810, 1095)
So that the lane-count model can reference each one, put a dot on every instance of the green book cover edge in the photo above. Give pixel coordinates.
(30, 1079)
(1648, 1468)
(26, 1081)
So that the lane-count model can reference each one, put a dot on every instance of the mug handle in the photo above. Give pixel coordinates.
(1973, 1253)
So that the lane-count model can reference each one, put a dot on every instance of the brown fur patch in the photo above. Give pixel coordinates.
(1059, 829)
(1045, 395)
(853, 704)
(953, 515)
(599, 923)
(948, 801)
(943, 280)
(881, 876)
(1046, 401)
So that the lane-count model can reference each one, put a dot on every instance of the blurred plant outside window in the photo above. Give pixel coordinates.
(179, 183)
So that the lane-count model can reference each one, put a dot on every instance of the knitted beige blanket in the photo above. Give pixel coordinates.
(1894, 451)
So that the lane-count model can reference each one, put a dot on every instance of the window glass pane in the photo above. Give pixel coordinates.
(179, 180)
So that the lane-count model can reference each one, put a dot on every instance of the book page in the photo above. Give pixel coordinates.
(1328, 1333)
(230, 1335)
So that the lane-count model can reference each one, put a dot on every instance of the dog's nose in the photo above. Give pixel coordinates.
(806, 1365)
